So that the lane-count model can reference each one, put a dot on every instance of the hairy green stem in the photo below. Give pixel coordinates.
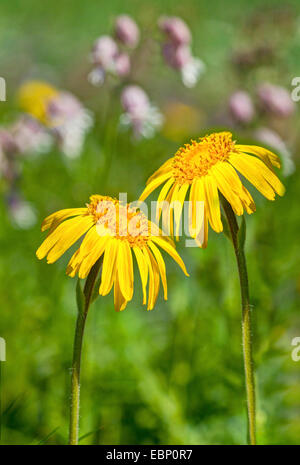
(77, 350)
(238, 239)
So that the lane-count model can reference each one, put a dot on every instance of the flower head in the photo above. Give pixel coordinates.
(175, 29)
(34, 97)
(61, 112)
(241, 107)
(276, 100)
(209, 166)
(140, 114)
(177, 52)
(115, 232)
(127, 31)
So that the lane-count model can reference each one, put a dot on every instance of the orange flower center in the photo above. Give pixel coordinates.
(195, 159)
(121, 221)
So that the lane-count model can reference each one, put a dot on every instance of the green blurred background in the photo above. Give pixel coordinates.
(173, 375)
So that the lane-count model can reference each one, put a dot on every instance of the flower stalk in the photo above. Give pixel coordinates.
(84, 300)
(238, 235)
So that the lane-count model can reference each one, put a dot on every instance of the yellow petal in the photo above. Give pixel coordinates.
(64, 236)
(162, 196)
(125, 269)
(171, 251)
(226, 189)
(156, 280)
(92, 257)
(53, 220)
(212, 203)
(153, 185)
(165, 167)
(109, 266)
(161, 267)
(258, 174)
(196, 211)
(143, 268)
(180, 197)
(119, 300)
(268, 157)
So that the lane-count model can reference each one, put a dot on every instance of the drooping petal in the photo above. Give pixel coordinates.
(108, 267)
(165, 168)
(63, 237)
(119, 300)
(162, 196)
(171, 251)
(153, 185)
(196, 210)
(143, 268)
(179, 205)
(226, 189)
(268, 157)
(212, 203)
(124, 268)
(156, 280)
(258, 174)
(161, 267)
(92, 257)
(56, 218)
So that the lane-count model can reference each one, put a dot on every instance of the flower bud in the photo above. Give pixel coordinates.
(104, 52)
(241, 107)
(122, 64)
(175, 29)
(276, 100)
(127, 31)
(176, 56)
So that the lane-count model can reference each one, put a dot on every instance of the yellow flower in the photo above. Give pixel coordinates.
(116, 232)
(208, 166)
(33, 98)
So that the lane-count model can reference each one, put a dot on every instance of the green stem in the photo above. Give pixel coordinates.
(77, 350)
(238, 244)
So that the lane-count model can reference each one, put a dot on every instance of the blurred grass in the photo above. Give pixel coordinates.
(173, 375)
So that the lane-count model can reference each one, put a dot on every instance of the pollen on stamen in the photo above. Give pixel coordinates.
(195, 159)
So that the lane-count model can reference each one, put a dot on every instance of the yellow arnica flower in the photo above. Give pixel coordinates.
(33, 98)
(114, 232)
(209, 166)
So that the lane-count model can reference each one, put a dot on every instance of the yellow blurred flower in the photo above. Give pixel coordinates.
(34, 96)
(116, 232)
(208, 166)
(181, 120)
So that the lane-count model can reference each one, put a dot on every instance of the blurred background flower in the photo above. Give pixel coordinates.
(143, 117)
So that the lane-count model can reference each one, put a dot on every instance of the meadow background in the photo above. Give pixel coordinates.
(173, 375)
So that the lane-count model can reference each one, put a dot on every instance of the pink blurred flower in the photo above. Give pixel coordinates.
(175, 29)
(241, 107)
(177, 52)
(30, 137)
(134, 100)
(276, 100)
(122, 64)
(176, 56)
(69, 122)
(127, 31)
(143, 117)
(104, 52)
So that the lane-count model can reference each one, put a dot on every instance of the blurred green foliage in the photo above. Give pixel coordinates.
(173, 375)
